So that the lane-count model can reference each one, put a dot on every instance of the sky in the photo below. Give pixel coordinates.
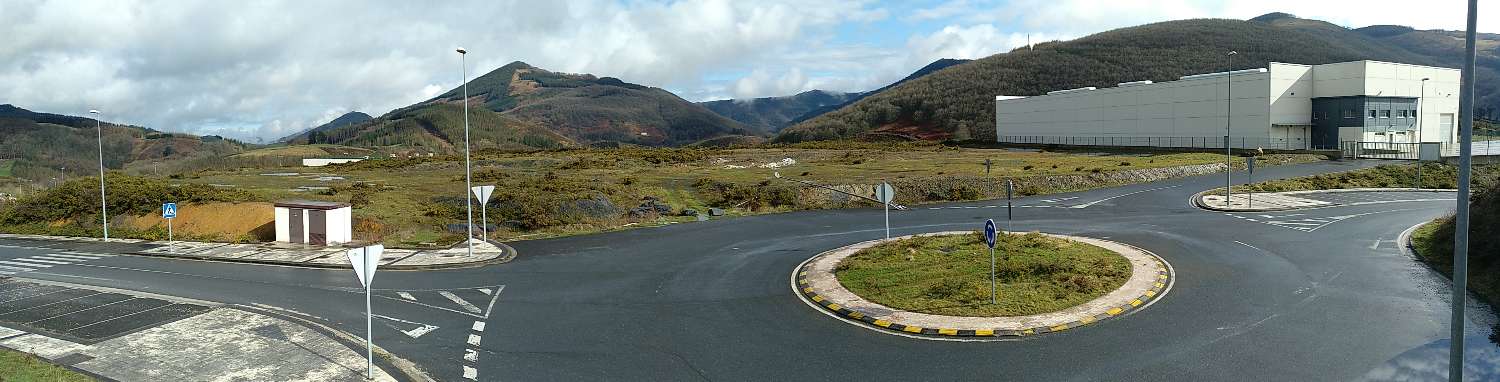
(259, 70)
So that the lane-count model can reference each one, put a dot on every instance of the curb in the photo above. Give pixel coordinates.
(384, 360)
(1198, 197)
(1164, 279)
(508, 253)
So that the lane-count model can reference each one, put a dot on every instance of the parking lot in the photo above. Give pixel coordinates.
(84, 316)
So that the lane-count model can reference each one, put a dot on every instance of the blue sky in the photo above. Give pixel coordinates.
(267, 68)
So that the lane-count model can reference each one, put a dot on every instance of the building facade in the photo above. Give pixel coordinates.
(1282, 106)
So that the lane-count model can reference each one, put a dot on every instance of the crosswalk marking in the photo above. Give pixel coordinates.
(79, 257)
(25, 264)
(55, 258)
(30, 259)
(16, 269)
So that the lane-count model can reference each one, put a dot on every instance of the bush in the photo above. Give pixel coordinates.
(77, 199)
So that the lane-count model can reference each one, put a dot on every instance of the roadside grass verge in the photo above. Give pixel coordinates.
(1433, 243)
(1434, 175)
(949, 275)
(22, 367)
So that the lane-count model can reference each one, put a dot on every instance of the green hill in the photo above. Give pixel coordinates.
(350, 118)
(771, 114)
(520, 106)
(957, 102)
(40, 146)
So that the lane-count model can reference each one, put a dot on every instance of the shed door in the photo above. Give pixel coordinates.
(317, 227)
(294, 224)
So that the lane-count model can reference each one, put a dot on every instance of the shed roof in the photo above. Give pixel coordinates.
(311, 204)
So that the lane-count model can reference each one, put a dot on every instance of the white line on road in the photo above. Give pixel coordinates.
(407, 296)
(486, 291)
(79, 257)
(1248, 245)
(25, 264)
(42, 261)
(471, 355)
(414, 333)
(1086, 205)
(471, 374)
(461, 302)
(473, 340)
(56, 258)
(17, 269)
(478, 326)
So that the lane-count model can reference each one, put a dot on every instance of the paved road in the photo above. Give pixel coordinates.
(1325, 295)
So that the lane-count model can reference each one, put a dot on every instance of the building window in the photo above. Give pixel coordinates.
(1348, 113)
(1372, 113)
(1385, 114)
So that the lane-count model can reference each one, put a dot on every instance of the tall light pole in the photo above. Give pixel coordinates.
(1228, 118)
(1420, 101)
(103, 206)
(468, 181)
(1461, 215)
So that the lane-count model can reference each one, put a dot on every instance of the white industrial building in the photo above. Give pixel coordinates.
(320, 162)
(1282, 106)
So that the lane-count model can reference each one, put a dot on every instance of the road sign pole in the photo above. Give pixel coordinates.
(369, 332)
(992, 275)
(887, 219)
(169, 229)
(484, 221)
(1250, 163)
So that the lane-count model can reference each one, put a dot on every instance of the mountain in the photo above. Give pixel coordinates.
(521, 106)
(350, 118)
(771, 114)
(930, 68)
(958, 102)
(1447, 48)
(39, 146)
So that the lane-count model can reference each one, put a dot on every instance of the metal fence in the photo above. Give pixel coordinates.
(1174, 142)
(1381, 150)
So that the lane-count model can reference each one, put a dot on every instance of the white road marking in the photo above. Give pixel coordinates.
(42, 261)
(1059, 199)
(490, 308)
(474, 339)
(478, 326)
(79, 257)
(25, 264)
(1086, 205)
(1376, 244)
(461, 302)
(471, 374)
(407, 296)
(413, 333)
(486, 291)
(1248, 245)
(17, 269)
(471, 355)
(55, 258)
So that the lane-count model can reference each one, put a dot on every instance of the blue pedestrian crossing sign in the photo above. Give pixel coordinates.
(168, 210)
(989, 233)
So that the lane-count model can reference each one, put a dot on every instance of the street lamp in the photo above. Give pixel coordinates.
(103, 206)
(468, 181)
(1420, 100)
(1228, 117)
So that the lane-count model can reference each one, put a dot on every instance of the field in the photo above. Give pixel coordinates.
(949, 275)
(419, 201)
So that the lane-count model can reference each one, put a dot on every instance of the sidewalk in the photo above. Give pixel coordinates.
(307, 256)
(1288, 200)
(218, 344)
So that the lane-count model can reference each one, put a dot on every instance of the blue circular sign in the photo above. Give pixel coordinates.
(989, 232)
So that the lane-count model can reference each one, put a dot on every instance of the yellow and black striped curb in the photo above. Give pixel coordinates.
(1158, 287)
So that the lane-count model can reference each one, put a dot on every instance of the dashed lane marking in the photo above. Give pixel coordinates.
(478, 326)
(470, 373)
(471, 355)
(474, 340)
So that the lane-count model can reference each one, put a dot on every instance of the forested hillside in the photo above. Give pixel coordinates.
(40, 146)
(771, 114)
(1447, 48)
(520, 106)
(348, 119)
(958, 102)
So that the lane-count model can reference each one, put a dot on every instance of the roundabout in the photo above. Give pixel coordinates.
(817, 282)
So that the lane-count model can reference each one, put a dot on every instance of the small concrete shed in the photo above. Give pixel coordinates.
(314, 222)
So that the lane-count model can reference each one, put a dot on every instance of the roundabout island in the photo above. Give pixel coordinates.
(937, 285)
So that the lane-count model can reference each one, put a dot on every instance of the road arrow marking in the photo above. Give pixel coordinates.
(407, 296)
(461, 302)
(417, 332)
(486, 291)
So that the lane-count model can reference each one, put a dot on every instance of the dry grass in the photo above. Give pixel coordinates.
(223, 220)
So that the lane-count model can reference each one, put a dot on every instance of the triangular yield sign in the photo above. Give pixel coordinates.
(364, 260)
(483, 193)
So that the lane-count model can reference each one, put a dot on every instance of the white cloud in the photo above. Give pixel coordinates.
(762, 84)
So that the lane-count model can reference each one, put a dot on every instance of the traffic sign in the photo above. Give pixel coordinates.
(168, 210)
(365, 260)
(989, 233)
(483, 193)
(885, 193)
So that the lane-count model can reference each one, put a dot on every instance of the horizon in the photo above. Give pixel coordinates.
(252, 82)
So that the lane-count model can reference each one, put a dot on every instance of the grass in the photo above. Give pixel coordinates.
(1434, 175)
(300, 151)
(7, 168)
(22, 367)
(554, 193)
(949, 275)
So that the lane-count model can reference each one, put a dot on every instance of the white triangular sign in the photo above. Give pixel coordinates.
(483, 193)
(364, 260)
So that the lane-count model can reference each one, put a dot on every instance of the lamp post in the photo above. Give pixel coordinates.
(1228, 118)
(1421, 100)
(103, 206)
(468, 181)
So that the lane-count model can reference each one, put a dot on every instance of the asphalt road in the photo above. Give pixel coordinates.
(1321, 294)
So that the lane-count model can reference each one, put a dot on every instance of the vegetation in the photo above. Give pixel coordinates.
(22, 367)
(1434, 175)
(73, 206)
(771, 114)
(957, 102)
(1434, 242)
(949, 275)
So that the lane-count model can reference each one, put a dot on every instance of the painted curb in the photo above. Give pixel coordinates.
(1165, 277)
(1198, 198)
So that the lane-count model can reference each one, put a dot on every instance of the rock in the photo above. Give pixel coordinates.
(715, 212)
(689, 212)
